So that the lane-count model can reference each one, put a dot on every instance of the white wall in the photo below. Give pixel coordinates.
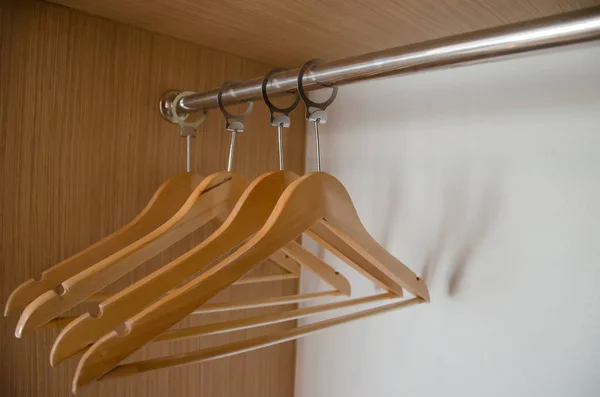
(486, 180)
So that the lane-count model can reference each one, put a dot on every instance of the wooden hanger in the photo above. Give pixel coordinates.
(212, 199)
(214, 196)
(249, 215)
(164, 205)
(312, 198)
(167, 200)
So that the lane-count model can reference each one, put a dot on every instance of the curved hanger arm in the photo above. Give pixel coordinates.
(248, 216)
(165, 202)
(306, 201)
(338, 245)
(216, 194)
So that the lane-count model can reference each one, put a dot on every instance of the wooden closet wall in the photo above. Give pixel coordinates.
(83, 148)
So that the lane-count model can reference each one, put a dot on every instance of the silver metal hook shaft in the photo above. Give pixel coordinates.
(231, 150)
(280, 142)
(317, 147)
(186, 128)
(188, 143)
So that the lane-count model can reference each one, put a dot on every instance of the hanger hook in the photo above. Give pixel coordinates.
(237, 125)
(186, 128)
(315, 111)
(283, 120)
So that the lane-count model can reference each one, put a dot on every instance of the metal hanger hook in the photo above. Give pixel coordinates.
(235, 126)
(231, 150)
(187, 129)
(283, 120)
(315, 111)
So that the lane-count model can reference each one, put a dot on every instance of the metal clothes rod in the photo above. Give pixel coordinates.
(559, 30)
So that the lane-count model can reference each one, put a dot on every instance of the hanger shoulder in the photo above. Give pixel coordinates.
(342, 248)
(342, 219)
(165, 202)
(248, 215)
(322, 201)
(317, 266)
(215, 194)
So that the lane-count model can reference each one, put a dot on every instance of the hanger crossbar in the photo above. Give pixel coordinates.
(251, 344)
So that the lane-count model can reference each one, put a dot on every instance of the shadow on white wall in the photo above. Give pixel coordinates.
(485, 181)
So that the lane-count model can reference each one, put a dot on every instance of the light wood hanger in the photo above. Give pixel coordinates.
(249, 215)
(164, 205)
(316, 197)
(214, 196)
(165, 202)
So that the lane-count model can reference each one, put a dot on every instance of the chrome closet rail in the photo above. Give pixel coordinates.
(559, 30)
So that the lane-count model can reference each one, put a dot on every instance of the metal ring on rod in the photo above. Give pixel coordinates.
(311, 104)
(272, 108)
(236, 126)
(283, 120)
(181, 120)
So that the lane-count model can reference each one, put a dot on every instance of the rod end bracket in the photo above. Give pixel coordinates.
(164, 105)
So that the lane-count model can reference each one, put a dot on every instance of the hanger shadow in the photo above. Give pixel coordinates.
(471, 218)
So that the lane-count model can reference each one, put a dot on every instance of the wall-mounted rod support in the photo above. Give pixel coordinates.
(559, 30)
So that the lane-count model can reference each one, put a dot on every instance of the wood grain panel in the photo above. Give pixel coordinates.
(290, 32)
(82, 149)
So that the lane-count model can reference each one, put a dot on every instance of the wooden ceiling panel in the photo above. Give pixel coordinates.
(289, 32)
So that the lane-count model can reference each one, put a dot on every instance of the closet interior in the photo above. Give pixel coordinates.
(155, 191)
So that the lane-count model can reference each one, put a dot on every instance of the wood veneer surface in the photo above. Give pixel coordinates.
(82, 149)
